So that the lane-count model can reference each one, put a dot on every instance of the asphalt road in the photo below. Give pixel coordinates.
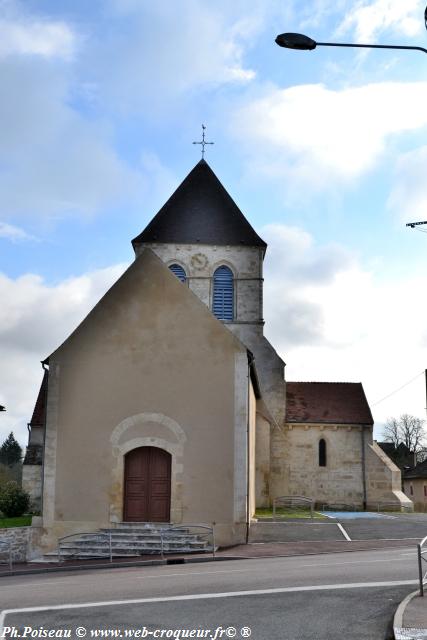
(330, 597)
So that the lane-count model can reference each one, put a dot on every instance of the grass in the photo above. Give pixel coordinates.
(284, 514)
(21, 521)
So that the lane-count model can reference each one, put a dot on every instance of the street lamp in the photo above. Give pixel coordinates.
(304, 43)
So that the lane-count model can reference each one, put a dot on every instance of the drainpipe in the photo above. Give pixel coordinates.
(362, 434)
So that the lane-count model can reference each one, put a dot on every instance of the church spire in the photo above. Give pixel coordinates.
(200, 211)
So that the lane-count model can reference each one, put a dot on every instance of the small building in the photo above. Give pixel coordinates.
(415, 485)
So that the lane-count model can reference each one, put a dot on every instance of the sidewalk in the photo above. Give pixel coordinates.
(244, 551)
(410, 620)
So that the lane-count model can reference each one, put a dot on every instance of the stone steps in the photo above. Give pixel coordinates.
(131, 540)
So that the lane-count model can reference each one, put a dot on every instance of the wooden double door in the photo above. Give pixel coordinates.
(147, 485)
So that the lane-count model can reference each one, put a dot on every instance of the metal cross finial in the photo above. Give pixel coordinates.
(203, 141)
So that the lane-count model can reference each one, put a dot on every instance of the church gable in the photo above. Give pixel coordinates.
(150, 366)
(148, 298)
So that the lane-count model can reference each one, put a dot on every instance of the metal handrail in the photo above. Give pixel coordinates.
(8, 548)
(398, 507)
(106, 536)
(208, 528)
(98, 534)
(293, 501)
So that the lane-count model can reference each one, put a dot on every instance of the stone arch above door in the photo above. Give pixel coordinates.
(173, 442)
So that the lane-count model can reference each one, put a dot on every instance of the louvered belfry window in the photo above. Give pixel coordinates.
(223, 293)
(178, 271)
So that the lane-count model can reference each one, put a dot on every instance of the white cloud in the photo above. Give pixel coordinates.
(34, 37)
(34, 320)
(370, 19)
(408, 196)
(317, 136)
(165, 52)
(54, 160)
(339, 322)
(15, 234)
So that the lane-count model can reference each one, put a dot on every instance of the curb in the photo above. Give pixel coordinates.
(405, 633)
(184, 560)
(398, 616)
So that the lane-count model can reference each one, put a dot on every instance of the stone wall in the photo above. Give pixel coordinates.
(262, 461)
(418, 494)
(295, 462)
(383, 478)
(32, 483)
(19, 538)
(199, 263)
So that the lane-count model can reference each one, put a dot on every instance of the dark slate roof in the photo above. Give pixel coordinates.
(327, 403)
(200, 210)
(387, 447)
(420, 471)
(39, 414)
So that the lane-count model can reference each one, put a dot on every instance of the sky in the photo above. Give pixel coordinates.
(324, 151)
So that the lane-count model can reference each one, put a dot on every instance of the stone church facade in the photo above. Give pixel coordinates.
(168, 403)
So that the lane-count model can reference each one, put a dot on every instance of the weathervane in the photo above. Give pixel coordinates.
(203, 141)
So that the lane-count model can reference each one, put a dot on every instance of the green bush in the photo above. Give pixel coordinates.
(14, 501)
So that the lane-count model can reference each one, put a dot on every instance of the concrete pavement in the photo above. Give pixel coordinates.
(410, 620)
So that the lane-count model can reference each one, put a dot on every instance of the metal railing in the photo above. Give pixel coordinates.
(104, 537)
(391, 506)
(294, 502)
(422, 558)
(202, 531)
(169, 536)
(6, 547)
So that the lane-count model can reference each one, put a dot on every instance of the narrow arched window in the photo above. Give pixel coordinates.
(322, 453)
(178, 271)
(223, 294)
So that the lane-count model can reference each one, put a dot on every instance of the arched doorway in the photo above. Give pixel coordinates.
(147, 485)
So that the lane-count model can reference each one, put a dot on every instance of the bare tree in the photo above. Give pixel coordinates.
(407, 430)
(391, 431)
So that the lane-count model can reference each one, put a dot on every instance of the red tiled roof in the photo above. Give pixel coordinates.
(39, 413)
(327, 402)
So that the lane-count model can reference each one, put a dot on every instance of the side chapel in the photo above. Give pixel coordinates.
(168, 404)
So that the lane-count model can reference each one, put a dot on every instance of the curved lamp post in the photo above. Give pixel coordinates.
(304, 43)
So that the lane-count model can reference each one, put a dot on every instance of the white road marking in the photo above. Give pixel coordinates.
(344, 532)
(205, 596)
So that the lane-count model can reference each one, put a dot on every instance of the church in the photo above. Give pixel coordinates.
(168, 404)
